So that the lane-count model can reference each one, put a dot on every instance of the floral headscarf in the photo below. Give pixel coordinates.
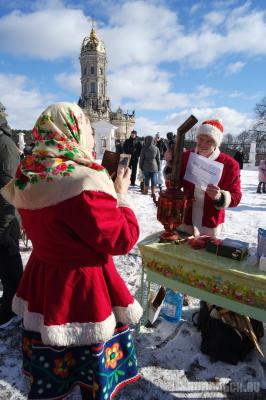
(59, 156)
(59, 134)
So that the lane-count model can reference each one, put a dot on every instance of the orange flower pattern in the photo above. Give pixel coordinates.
(62, 365)
(55, 371)
(113, 354)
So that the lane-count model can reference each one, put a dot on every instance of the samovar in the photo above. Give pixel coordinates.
(172, 201)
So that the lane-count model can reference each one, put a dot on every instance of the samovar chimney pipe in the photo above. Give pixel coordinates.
(179, 146)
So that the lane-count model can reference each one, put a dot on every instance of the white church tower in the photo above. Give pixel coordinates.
(93, 78)
(93, 99)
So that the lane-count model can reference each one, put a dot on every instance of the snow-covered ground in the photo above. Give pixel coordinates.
(170, 361)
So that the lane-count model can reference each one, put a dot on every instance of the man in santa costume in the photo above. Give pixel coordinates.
(206, 214)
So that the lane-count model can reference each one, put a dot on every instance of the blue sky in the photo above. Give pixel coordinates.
(166, 59)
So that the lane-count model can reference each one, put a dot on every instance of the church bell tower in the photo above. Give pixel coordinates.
(93, 64)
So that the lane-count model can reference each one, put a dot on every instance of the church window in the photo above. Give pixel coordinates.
(93, 87)
(101, 71)
(92, 70)
(84, 88)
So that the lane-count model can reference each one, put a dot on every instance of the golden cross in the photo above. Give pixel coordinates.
(92, 21)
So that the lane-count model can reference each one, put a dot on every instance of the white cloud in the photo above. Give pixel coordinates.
(69, 82)
(214, 18)
(132, 36)
(141, 38)
(233, 121)
(143, 87)
(45, 34)
(146, 87)
(234, 68)
(23, 102)
(195, 8)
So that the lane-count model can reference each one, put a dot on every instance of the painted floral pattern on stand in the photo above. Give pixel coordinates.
(214, 284)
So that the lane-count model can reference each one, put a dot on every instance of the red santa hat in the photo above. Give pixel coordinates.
(212, 128)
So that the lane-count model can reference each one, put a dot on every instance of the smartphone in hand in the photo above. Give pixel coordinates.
(124, 160)
(112, 161)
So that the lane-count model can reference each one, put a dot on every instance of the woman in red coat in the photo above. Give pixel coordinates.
(75, 306)
(207, 212)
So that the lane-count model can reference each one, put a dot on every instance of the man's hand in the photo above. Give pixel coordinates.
(214, 192)
(122, 180)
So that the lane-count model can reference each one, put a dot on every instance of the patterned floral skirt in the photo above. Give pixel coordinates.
(103, 368)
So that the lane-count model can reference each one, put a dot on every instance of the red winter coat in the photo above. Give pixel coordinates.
(70, 291)
(209, 217)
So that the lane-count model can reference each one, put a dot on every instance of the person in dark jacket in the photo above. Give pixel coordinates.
(133, 146)
(118, 146)
(149, 163)
(159, 142)
(10, 260)
(239, 157)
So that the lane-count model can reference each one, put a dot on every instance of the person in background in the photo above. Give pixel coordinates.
(170, 141)
(133, 146)
(118, 146)
(28, 149)
(262, 177)
(75, 306)
(170, 145)
(10, 260)
(239, 157)
(149, 163)
(159, 142)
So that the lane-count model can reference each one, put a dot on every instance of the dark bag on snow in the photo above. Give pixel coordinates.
(228, 336)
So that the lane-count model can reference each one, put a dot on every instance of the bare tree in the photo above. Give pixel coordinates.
(191, 135)
(258, 131)
(228, 138)
(244, 137)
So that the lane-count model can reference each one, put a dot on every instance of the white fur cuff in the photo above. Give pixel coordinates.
(227, 200)
(130, 314)
(123, 201)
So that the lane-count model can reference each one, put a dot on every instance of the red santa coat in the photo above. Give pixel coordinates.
(203, 217)
(70, 291)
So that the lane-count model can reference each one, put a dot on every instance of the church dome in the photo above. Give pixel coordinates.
(93, 43)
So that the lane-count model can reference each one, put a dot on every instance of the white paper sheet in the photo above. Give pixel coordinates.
(201, 171)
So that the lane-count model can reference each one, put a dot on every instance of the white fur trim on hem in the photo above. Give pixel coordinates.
(76, 333)
(130, 314)
(123, 201)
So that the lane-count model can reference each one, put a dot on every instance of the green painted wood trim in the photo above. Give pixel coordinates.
(212, 298)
